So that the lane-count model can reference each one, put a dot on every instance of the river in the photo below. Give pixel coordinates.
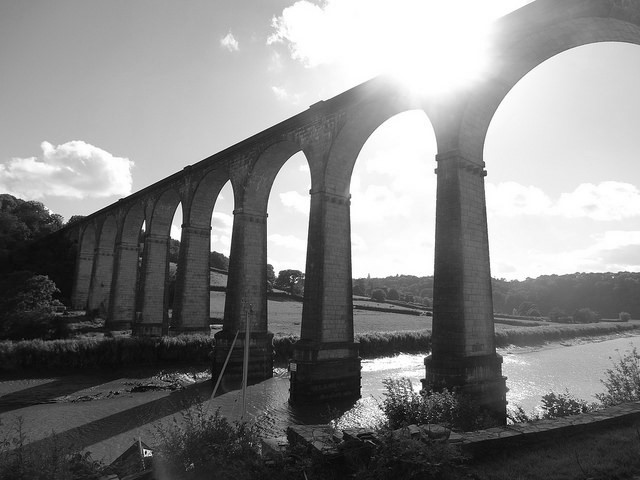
(99, 412)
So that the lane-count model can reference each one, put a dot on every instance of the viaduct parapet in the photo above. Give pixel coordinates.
(110, 276)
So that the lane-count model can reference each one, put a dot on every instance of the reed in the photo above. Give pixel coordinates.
(103, 353)
(537, 336)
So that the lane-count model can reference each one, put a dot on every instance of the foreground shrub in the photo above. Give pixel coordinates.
(624, 316)
(202, 444)
(53, 459)
(104, 352)
(407, 459)
(405, 406)
(555, 405)
(622, 381)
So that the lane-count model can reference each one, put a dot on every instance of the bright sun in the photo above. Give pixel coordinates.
(440, 49)
(432, 45)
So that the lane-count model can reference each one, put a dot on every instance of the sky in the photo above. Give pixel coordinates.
(101, 99)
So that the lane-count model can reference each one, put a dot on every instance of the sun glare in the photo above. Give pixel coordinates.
(441, 50)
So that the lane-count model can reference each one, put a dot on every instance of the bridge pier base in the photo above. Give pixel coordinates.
(325, 372)
(476, 377)
(260, 358)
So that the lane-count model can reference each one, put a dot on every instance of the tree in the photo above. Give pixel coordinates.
(22, 221)
(23, 291)
(271, 274)
(378, 295)
(622, 381)
(585, 315)
(219, 261)
(291, 281)
(393, 294)
(74, 219)
(174, 250)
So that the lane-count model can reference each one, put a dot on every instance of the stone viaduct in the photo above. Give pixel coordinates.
(110, 276)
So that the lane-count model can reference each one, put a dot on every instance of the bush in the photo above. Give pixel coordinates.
(404, 406)
(202, 444)
(585, 315)
(52, 460)
(407, 458)
(624, 316)
(378, 295)
(622, 381)
(556, 405)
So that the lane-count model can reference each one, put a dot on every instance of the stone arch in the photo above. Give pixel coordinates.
(265, 169)
(153, 296)
(162, 212)
(125, 270)
(132, 224)
(567, 25)
(204, 197)
(191, 306)
(100, 289)
(84, 266)
(358, 127)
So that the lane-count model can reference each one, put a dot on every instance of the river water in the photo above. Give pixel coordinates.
(99, 412)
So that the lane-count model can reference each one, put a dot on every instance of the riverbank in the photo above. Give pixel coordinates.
(126, 351)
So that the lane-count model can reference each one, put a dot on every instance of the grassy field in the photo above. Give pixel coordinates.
(608, 454)
(285, 317)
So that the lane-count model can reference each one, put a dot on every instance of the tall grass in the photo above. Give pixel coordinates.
(539, 335)
(103, 353)
(195, 349)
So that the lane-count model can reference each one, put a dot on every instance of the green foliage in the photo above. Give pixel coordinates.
(26, 303)
(622, 381)
(174, 250)
(201, 444)
(358, 290)
(408, 459)
(271, 274)
(52, 460)
(378, 295)
(528, 309)
(607, 293)
(517, 414)
(24, 292)
(104, 352)
(21, 221)
(220, 261)
(393, 294)
(585, 315)
(290, 280)
(556, 333)
(405, 406)
(624, 316)
(555, 405)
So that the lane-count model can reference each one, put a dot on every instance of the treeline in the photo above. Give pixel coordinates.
(23, 246)
(607, 294)
(401, 287)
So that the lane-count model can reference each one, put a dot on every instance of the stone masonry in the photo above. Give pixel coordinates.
(111, 274)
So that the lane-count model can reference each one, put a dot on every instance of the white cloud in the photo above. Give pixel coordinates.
(288, 241)
(510, 199)
(376, 203)
(283, 94)
(229, 42)
(223, 240)
(176, 232)
(74, 169)
(358, 244)
(295, 200)
(603, 202)
(221, 222)
(370, 36)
